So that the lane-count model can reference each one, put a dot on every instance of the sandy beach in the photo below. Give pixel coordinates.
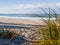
(23, 21)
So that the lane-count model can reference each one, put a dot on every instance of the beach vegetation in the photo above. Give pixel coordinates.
(8, 34)
(50, 33)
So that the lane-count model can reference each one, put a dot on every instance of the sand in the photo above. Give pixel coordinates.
(23, 21)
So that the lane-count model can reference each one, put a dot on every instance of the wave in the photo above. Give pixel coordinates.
(45, 18)
(19, 17)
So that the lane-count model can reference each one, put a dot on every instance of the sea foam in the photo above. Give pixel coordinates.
(40, 18)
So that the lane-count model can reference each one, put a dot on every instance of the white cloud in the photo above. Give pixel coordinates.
(25, 8)
(58, 4)
(21, 8)
(30, 5)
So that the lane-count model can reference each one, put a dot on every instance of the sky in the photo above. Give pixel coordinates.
(26, 6)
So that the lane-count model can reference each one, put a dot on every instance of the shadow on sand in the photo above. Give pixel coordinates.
(16, 41)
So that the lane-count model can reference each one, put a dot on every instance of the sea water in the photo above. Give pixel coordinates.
(25, 16)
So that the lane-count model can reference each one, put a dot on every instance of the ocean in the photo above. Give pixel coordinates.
(25, 16)
(19, 15)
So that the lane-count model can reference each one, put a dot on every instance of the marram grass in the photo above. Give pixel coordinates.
(8, 34)
(51, 33)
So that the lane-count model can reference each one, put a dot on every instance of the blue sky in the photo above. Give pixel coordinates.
(25, 6)
(14, 2)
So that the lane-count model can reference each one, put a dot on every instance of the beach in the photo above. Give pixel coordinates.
(22, 21)
(20, 40)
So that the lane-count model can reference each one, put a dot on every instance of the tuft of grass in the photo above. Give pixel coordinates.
(52, 31)
(8, 34)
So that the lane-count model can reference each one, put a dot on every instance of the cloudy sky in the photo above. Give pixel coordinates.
(26, 6)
